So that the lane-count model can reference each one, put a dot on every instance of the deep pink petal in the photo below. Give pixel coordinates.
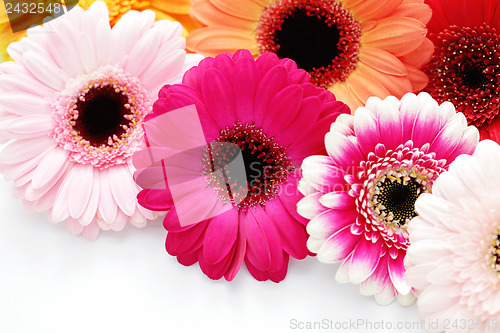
(366, 129)
(258, 252)
(218, 97)
(293, 233)
(288, 102)
(273, 237)
(185, 242)
(220, 236)
(378, 279)
(239, 253)
(272, 82)
(244, 80)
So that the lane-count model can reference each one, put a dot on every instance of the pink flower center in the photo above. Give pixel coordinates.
(321, 36)
(465, 70)
(391, 182)
(266, 166)
(98, 117)
(494, 252)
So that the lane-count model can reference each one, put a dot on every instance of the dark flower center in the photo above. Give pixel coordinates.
(245, 167)
(494, 254)
(465, 70)
(321, 36)
(398, 199)
(101, 115)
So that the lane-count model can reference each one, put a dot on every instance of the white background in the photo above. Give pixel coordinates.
(51, 281)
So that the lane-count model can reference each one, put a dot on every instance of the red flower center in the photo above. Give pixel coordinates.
(321, 36)
(465, 70)
(257, 179)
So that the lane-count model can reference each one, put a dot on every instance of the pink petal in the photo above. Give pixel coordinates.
(330, 222)
(449, 137)
(273, 81)
(258, 252)
(123, 188)
(272, 236)
(239, 254)
(309, 206)
(375, 283)
(107, 205)
(396, 273)
(218, 97)
(337, 200)
(188, 241)
(389, 124)
(80, 181)
(90, 212)
(288, 101)
(344, 151)
(293, 233)
(367, 132)
(244, 81)
(426, 126)
(220, 236)
(365, 259)
(338, 246)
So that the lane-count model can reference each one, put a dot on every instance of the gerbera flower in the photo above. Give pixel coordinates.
(454, 258)
(72, 105)
(265, 111)
(173, 10)
(465, 67)
(360, 198)
(356, 49)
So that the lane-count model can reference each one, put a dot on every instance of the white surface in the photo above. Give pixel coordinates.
(51, 281)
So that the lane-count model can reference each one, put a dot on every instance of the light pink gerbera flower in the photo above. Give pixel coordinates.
(454, 259)
(72, 104)
(360, 198)
(265, 111)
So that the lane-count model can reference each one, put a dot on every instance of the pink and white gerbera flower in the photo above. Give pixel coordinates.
(360, 198)
(454, 258)
(71, 107)
(265, 111)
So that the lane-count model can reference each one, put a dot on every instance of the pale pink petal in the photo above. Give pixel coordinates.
(338, 246)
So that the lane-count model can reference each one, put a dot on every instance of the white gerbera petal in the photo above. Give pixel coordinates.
(458, 272)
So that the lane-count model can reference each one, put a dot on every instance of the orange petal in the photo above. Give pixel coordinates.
(363, 86)
(245, 9)
(207, 14)
(419, 11)
(342, 94)
(172, 6)
(396, 85)
(397, 35)
(417, 78)
(382, 61)
(374, 9)
(420, 56)
(210, 41)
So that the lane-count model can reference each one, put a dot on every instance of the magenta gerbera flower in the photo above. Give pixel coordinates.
(266, 111)
(72, 105)
(360, 198)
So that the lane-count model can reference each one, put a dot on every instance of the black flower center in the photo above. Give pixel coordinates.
(245, 167)
(302, 38)
(399, 198)
(101, 113)
(321, 36)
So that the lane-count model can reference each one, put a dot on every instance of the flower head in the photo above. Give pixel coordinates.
(72, 106)
(465, 67)
(258, 120)
(173, 10)
(356, 49)
(360, 198)
(454, 259)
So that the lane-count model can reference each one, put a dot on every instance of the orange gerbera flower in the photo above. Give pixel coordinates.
(355, 48)
(173, 10)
